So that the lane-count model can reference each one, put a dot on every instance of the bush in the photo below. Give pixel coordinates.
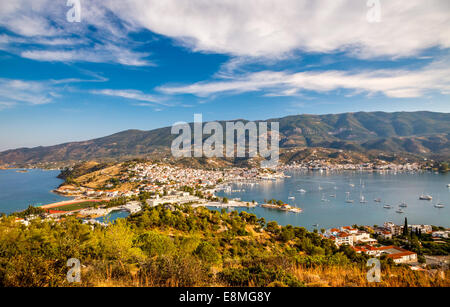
(206, 252)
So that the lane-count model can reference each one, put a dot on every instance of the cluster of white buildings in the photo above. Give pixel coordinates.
(155, 177)
(389, 229)
(177, 198)
(322, 164)
(397, 254)
(361, 241)
(92, 193)
(349, 236)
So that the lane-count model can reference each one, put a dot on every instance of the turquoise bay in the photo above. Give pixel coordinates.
(392, 189)
(19, 190)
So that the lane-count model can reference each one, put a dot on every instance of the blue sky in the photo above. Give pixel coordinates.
(136, 64)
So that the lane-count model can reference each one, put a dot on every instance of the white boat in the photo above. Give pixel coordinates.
(377, 200)
(352, 185)
(324, 199)
(448, 185)
(439, 204)
(403, 205)
(399, 211)
(320, 188)
(386, 206)
(425, 197)
(333, 195)
(348, 200)
(302, 191)
(291, 197)
(362, 199)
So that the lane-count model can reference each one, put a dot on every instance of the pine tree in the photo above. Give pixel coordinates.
(405, 228)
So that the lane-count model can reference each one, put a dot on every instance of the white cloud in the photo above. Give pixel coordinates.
(41, 32)
(6, 104)
(98, 54)
(133, 95)
(392, 83)
(14, 92)
(251, 28)
(273, 28)
(30, 92)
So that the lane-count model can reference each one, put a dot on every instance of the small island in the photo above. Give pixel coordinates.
(280, 205)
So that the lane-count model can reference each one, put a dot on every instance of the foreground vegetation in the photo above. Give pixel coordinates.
(187, 247)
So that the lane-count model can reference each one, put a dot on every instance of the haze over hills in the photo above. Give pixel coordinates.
(421, 133)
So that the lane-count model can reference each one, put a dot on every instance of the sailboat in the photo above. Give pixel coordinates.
(362, 199)
(439, 205)
(324, 199)
(425, 197)
(320, 188)
(348, 200)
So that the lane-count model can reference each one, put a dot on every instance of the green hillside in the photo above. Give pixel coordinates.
(422, 133)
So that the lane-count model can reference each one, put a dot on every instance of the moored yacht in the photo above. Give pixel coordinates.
(348, 200)
(362, 199)
(425, 197)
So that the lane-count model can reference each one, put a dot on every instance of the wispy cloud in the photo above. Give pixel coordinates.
(41, 32)
(391, 83)
(14, 92)
(29, 92)
(133, 95)
(6, 104)
(98, 54)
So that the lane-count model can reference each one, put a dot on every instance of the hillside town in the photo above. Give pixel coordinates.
(327, 165)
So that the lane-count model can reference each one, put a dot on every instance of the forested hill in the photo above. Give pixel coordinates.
(423, 133)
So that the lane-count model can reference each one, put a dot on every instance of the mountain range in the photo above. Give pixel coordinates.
(421, 133)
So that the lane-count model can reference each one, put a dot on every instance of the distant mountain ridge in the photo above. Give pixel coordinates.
(423, 133)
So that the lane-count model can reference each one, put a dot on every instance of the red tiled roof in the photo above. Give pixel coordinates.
(343, 235)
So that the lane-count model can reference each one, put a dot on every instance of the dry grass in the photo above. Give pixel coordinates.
(337, 276)
(328, 276)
